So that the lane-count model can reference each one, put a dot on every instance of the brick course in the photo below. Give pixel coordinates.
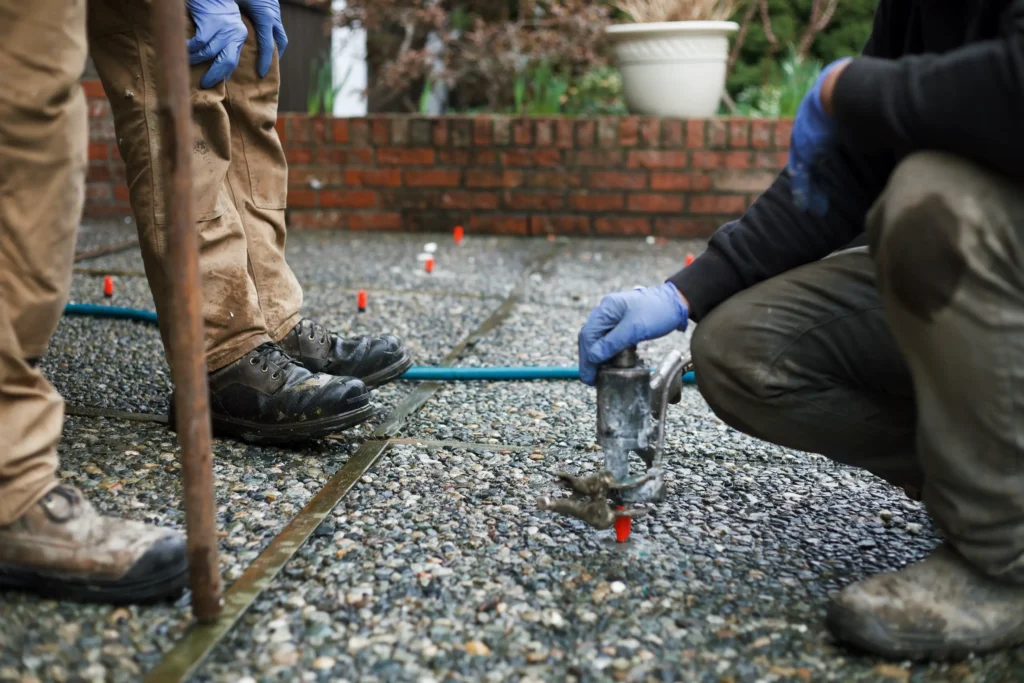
(607, 176)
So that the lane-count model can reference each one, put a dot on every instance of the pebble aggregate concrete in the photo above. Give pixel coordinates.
(437, 565)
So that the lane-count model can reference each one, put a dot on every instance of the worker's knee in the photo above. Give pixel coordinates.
(918, 227)
(730, 370)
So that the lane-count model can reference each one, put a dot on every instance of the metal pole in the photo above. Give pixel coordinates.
(188, 359)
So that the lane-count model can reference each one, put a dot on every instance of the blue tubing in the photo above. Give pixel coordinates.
(95, 311)
(499, 374)
(415, 373)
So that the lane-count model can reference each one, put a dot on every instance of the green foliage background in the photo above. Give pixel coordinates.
(845, 35)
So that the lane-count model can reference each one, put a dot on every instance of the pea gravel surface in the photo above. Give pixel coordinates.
(437, 566)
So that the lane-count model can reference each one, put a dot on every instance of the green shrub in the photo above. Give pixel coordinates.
(784, 91)
(759, 62)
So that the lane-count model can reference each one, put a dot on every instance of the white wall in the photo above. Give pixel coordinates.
(348, 50)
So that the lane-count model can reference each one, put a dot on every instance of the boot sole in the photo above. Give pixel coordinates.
(390, 373)
(871, 637)
(262, 434)
(163, 586)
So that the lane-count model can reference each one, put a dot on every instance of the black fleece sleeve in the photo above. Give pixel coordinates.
(773, 236)
(968, 102)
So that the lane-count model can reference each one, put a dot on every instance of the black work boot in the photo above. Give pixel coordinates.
(266, 397)
(938, 609)
(375, 360)
(62, 549)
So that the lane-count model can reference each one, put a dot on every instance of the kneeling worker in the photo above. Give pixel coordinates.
(904, 357)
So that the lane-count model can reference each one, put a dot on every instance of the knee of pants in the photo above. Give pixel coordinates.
(917, 230)
(731, 373)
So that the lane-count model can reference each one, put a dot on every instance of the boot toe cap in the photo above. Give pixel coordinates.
(345, 393)
(166, 558)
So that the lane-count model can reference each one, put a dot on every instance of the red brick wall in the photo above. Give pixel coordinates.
(497, 174)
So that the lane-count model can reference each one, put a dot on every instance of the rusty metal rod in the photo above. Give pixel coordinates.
(187, 352)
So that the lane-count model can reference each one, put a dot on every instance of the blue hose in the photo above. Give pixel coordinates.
(415, 373)
(499, 374)
(95, 311)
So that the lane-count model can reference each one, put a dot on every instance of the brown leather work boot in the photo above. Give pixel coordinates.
(63, 549)
(938, 609)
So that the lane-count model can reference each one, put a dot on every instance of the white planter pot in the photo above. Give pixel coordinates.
(674, 68)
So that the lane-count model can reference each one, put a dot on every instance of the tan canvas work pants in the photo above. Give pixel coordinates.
(43, 138)
(250, 295)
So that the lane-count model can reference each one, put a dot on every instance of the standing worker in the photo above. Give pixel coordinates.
(905, 357)
(52, 541)
(275, 376)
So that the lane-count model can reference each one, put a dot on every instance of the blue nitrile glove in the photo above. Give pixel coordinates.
(624, 319)
(813, 133)
(266, 17)
(220, 35)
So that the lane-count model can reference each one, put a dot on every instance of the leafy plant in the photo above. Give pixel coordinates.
(540, 91)
(598, 92)
(819, 29)
(782, 94)
(653, 11)
(322, 90)
(484, 50)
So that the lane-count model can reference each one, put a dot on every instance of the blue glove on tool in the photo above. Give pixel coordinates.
(624, 319)
(220, 35)
(266, 17)
(813, 132)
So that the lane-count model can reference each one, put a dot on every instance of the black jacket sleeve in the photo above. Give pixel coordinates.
(773, 236)
(968, 101)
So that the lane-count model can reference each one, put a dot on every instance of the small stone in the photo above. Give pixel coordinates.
(617, 587)
(554, 619)
(357, 643)
(913, 528)
(325, 529)
(892, 672)
(885, 515)
(536, 456)
(475, 647)
(323, 663)
(285, 656)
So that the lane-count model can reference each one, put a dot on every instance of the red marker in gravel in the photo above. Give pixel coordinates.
(108, 286)
(361, 300)
(623, 526)
(428, 265)
(689, 259)
(458, 234)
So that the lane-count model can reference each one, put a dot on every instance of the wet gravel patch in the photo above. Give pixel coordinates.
(480, 266)
(430, 325)
(586, 270)
(103, 232)
(111, 364)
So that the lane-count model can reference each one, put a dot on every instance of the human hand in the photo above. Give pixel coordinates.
(624, 319)
(219, 36)
(266, 17)
(813, 132)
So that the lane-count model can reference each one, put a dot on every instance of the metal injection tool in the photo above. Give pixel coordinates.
(631, 405)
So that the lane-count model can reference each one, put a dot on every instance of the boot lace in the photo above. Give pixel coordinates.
(271, 356)
(314, 331)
